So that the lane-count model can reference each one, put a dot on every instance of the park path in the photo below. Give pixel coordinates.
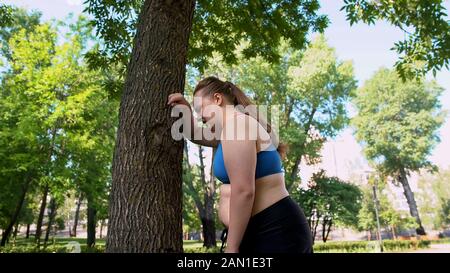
(434, 248)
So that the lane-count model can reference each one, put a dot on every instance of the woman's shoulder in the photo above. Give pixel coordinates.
(246, 127)
(240, 127)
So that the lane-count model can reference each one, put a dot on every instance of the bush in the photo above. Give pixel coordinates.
(33, 249)
(346, 247)
(50, 249)
(370, 246)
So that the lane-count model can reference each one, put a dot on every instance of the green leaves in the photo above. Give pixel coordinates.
(398, 121)
(6, 15)
(331, 198)
(389, 216)
(57, 123)
(20, 19)
(218, 26)
(115, 22)
(426, 46)
(434, 198)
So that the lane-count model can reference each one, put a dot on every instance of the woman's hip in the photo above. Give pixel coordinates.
(280, 228)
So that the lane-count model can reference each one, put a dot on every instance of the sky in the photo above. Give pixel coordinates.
(369, 49)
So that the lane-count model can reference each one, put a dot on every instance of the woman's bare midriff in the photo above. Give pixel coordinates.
(268, 190)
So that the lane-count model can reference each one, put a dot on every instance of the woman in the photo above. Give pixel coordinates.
(255, 207)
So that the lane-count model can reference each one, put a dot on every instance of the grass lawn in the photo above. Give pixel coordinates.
(22, 241)
(187, 244)
(196, 246)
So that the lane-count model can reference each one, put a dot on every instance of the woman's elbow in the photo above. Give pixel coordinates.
(246, 192)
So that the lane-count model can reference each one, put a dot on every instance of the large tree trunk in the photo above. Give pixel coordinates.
(146, 196)
(207, 219)
(41, 216)
(7, 232)
(77, 216)
(411, 201)
(91, 223)
(51, 219)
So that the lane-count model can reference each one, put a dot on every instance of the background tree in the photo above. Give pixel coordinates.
(434, 196)
(191, 219)
(328, 201)
(397, 124)
(390, 218)
(6, 15)
(202, 191)
(53, 109)
(20, 19)
(13, 187)
(23, 127)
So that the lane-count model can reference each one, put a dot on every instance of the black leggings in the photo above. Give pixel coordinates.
(280, 228)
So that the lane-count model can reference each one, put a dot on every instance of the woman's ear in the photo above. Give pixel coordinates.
(218, 98)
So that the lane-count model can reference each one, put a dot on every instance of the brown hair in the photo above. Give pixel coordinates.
(234, 94)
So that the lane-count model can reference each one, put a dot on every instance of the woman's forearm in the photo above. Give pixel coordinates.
(241, 205)
(195, 133)
(189, 134)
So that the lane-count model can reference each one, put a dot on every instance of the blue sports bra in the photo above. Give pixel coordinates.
(267, 162)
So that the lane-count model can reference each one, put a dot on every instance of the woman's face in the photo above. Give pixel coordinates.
(209, 108)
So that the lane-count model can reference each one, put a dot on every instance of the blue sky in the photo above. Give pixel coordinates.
(367, 46)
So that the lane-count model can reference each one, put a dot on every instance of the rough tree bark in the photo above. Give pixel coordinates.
(146, 196)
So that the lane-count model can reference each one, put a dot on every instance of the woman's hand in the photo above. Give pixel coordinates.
(176, 99)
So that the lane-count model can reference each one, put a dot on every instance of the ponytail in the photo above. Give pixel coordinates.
(239, 97)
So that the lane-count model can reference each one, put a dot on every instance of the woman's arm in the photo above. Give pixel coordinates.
(240, 162)
(178, 99)
(197, 130)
